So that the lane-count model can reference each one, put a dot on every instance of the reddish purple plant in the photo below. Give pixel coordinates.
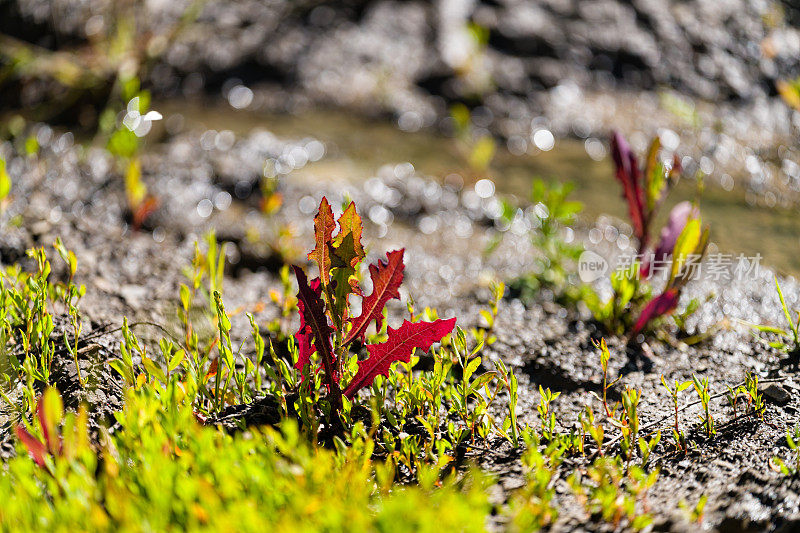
(326, 327)
(682, 239)
(663, 304)
(643, 189)
(678, 217)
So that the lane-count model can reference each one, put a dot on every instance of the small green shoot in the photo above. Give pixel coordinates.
(674, 392)
(605, 357)
(702, 389)
(547, 417)
(793, 441)
(788, 341)
(696, 513)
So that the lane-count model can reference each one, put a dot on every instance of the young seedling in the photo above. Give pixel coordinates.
(674, 392)
(696, 513)
(550, 219)
(546, 415)
(754, 398)
(628, 423)
(595, 431)
(508, 379)
(702, 389)
(605, 357)
(489, 316)
(682, 243)
(793, 441)
(646, 447)
(615, 492)
(532, 506)
(469, 361)
(326, 325)
(125, 144)
(788, 341)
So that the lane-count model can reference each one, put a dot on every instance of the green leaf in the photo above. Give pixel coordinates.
(472, 366)
(175, 360)
(154, 370)
(688, 241)
(786, 311)
(186, 297)
(624, 285)
(481, 380)
(655, 175)
(770, 329)
(567, 210)
(5, 180)
(123, 143)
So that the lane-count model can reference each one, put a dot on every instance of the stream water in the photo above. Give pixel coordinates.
(357, 147)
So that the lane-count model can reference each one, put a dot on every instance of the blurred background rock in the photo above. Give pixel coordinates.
(518, 59)
(704, 76)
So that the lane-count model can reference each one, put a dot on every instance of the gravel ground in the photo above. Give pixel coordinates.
(74, 192)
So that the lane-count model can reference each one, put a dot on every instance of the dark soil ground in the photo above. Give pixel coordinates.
(74, 193)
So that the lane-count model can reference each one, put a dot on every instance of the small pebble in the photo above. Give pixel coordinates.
(776, 394)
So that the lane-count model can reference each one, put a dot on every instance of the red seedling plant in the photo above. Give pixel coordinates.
(644, 189)
(683, 240)
(326, 325)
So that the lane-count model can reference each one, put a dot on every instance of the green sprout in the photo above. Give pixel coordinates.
(696, 513)
(605, 357)
(793, 441)
(702, 389)
(674, 392)
(788, 341)
(551, 217)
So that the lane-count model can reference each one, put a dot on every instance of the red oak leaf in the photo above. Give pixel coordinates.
(386, 280)
(303, 337)
(398, 347)
(312, 311)
(629, 174)
(663, 304)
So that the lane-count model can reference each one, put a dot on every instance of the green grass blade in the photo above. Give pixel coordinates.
(786, 311)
